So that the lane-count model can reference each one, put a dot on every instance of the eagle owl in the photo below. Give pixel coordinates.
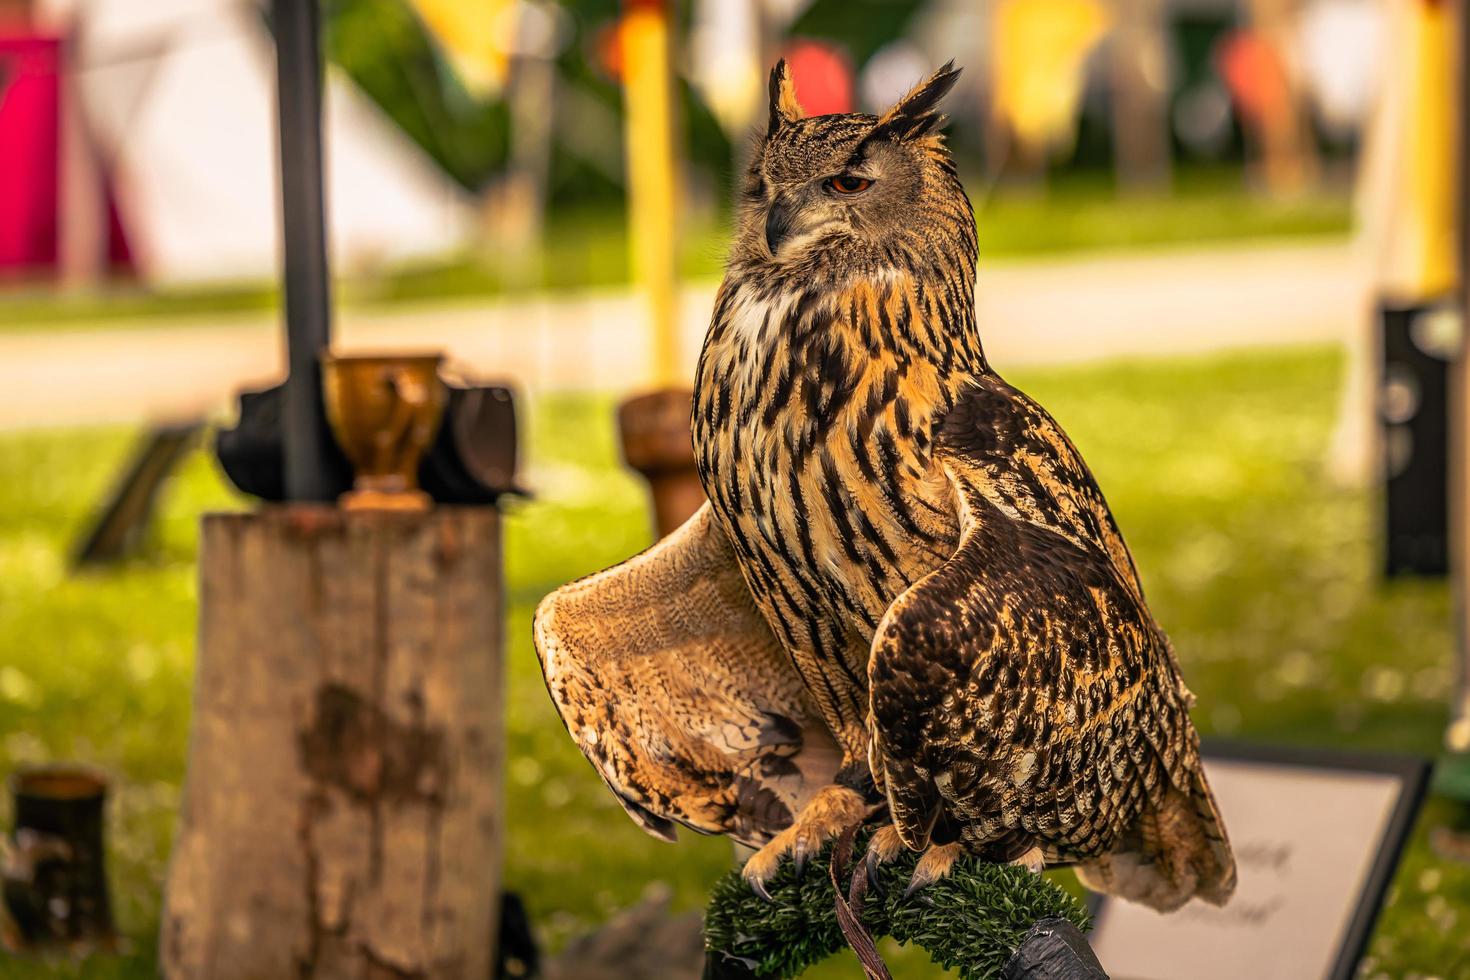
(906, 598)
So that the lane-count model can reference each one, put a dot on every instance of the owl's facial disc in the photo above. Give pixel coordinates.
(799, 216)
(858, 198)
(841, 189)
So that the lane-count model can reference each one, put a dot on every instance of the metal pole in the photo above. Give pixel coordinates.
(303, 221)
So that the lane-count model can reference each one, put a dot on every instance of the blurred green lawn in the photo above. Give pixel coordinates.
(1263, 574)
(588, 248)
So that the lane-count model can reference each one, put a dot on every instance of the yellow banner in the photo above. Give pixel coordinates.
(476, 35)
(1040, 48)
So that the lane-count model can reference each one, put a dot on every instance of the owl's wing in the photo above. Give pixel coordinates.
(1023, 691)
(673, 686)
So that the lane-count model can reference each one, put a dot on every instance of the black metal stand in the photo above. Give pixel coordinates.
(303, 222)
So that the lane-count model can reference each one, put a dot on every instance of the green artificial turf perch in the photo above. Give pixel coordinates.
(971, 921)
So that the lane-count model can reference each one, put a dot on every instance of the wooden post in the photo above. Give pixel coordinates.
(342, 811)
(659, 444)
(1140, 96)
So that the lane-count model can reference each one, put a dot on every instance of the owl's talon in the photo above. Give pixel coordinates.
(934, 865)
(883, 847)
(1033, 860)
(829, 813)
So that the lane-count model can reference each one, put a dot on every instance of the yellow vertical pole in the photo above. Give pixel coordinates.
(654, 426)
(1428, 242)
(652, 177)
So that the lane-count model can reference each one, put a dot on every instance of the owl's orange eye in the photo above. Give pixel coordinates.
(849, 184)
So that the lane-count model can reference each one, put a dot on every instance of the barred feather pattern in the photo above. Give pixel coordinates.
(816, 402)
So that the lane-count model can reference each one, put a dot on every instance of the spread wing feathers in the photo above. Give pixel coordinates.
(673, 686)
(1170, 854)
(1022, 693)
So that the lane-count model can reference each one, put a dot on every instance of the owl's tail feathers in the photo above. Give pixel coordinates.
(1177, 852)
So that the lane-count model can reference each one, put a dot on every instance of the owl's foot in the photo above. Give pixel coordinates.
(830, 812)
(884, 846)
(1033, 860)
(935, 863)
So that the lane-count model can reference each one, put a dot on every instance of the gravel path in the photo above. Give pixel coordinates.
(1058, 310)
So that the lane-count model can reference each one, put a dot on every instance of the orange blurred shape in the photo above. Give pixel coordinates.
(823, 77)
(1254, 74)
(607, 39)
(607, 49)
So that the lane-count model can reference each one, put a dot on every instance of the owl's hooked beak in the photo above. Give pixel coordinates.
(778, 222)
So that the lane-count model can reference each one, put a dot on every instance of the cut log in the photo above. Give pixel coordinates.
(342, 811)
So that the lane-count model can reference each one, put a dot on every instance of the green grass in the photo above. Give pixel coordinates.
(1263, 573)
(589, 249)
(1083, 214)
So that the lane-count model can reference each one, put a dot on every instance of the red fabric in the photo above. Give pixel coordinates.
(119, 249)
(30, 132)
(823, 77)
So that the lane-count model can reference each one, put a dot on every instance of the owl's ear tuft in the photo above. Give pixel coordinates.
(915, 114)
(784, 107)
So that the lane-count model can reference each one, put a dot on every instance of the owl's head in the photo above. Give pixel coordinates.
(849, 188)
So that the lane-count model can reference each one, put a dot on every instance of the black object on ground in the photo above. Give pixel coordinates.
(518, 956)
(1413, 415)
(54, 873)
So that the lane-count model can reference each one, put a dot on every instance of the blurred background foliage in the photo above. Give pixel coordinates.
(521, 185)
(386, 49)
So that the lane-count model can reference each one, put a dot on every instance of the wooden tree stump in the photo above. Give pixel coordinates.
(342, 813)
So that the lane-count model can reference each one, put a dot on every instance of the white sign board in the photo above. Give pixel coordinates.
(1316, 842)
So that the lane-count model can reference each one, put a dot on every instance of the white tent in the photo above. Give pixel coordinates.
(179, 97)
